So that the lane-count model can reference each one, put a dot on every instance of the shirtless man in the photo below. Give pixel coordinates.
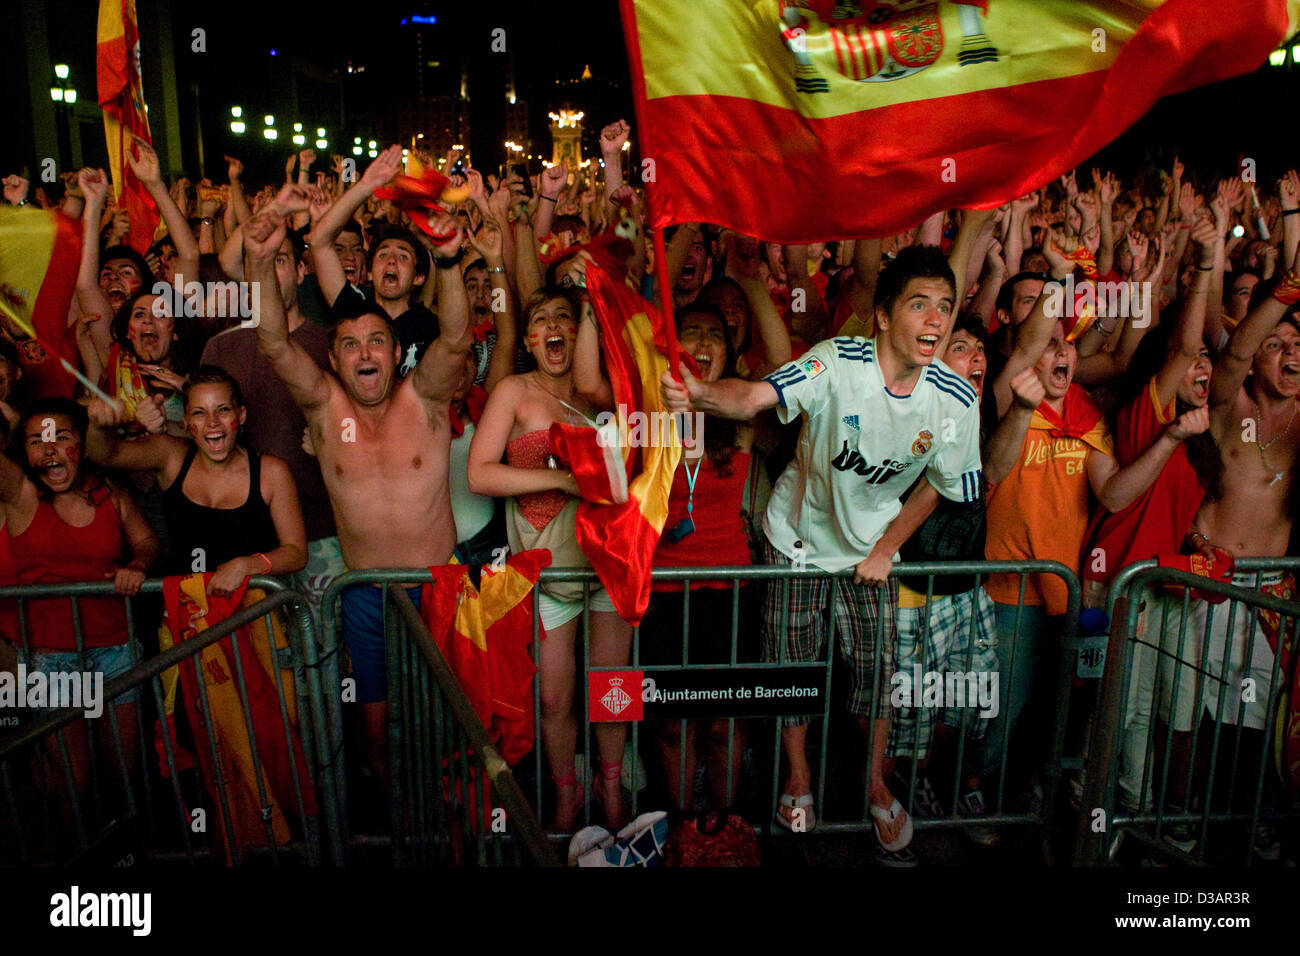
(1253, 406)
(382, 443)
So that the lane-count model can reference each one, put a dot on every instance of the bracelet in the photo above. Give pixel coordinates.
(497, 269)
(548, 198)
(259, 554)
(446, 262)
(1103, 330)
(207, 220)
(22, 202)
(1209, 268)
(1290, 212)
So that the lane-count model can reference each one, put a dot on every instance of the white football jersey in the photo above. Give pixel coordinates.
(862, 447)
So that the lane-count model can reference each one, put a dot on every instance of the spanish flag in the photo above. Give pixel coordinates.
(485, 634)
(618, 530)
(800, 120)
(39, 254)
(223, 745)
(121, 97)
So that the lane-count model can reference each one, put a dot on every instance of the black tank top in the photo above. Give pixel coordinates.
(222, 533)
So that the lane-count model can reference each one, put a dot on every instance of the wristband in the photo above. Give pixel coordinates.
(1209, 268)
(1288, 288)
(22, 202)
(446, 262)
(1285, 212)
(259, 554)
(548, 198)
(497, 269)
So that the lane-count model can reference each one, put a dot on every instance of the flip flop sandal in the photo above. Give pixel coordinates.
(881, 818)
(804, 803)
(902, 859)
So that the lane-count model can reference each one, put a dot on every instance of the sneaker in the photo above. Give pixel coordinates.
(1181, 836)
(971, 805)
(1267, 846)
(927, 801)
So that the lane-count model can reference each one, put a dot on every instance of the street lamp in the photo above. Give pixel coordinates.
(322, 144)
(56, 94)
(236, 111)
(270, 120)
(69, 95)
(270, 133)
(237, 126)
(61, 70)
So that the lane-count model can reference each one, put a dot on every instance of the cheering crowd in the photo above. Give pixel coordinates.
(1097, 373)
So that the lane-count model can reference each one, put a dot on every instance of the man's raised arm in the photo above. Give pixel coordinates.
(727, 398)
(329, 271)
(308, 385)
(439, 371)
(1231, 367)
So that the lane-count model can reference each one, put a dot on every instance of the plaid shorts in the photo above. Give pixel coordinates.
(855, 610)
(950, 647)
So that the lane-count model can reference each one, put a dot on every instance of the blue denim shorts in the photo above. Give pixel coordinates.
(111, 661)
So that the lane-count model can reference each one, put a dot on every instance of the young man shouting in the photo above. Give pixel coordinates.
(878, 413)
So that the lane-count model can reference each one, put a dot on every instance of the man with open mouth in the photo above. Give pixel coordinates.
(397, 263)
(383, 442)
(874, 418)
(1050, 450)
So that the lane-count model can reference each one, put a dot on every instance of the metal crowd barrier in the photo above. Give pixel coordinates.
(821, 672)
(1170, 817)
(121, 811)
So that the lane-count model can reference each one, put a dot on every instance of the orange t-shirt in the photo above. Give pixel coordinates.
(1040, 512)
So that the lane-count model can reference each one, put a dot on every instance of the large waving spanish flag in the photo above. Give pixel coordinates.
(618, 529)
(800, 120)
(39, 254)
(121, 97)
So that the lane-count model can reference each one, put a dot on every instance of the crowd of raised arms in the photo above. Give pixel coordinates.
(387, 402)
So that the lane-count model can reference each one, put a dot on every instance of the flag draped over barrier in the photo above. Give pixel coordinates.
(39, 255)
(816, 119)
(618, 532)
(121, 97)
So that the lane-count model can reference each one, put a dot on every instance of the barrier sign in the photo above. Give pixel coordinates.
(725, 692)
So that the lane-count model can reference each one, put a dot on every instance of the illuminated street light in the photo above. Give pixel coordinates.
(61, 70)
(320, 131)
(69, 96)
(56, 94)
(373, 144)
(270, 133)
(374, 153)
(270, 120)
(237, 126)
(299, 139)
(322, 144)
(356, 150)
(297, 127)
(236, 111)
(1277, 58)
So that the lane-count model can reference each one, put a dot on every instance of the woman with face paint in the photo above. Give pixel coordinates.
(541, 512)
(67, 524)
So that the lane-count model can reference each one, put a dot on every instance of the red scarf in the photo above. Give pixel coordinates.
(1078, 418)
(475, 402)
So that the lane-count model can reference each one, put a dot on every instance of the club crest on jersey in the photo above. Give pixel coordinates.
(921, 447)
(812, 367)
(873, 42)
(852, 422)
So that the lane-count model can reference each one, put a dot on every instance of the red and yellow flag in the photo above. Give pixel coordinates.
(485, 634)
(800, 120)
(39, 255)
(618, 532)
(121, 96)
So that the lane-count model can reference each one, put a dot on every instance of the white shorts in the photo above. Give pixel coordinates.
(1243, 686)
(557, 613)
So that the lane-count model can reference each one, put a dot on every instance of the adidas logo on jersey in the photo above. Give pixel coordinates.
(852, 422)
(851, 460)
